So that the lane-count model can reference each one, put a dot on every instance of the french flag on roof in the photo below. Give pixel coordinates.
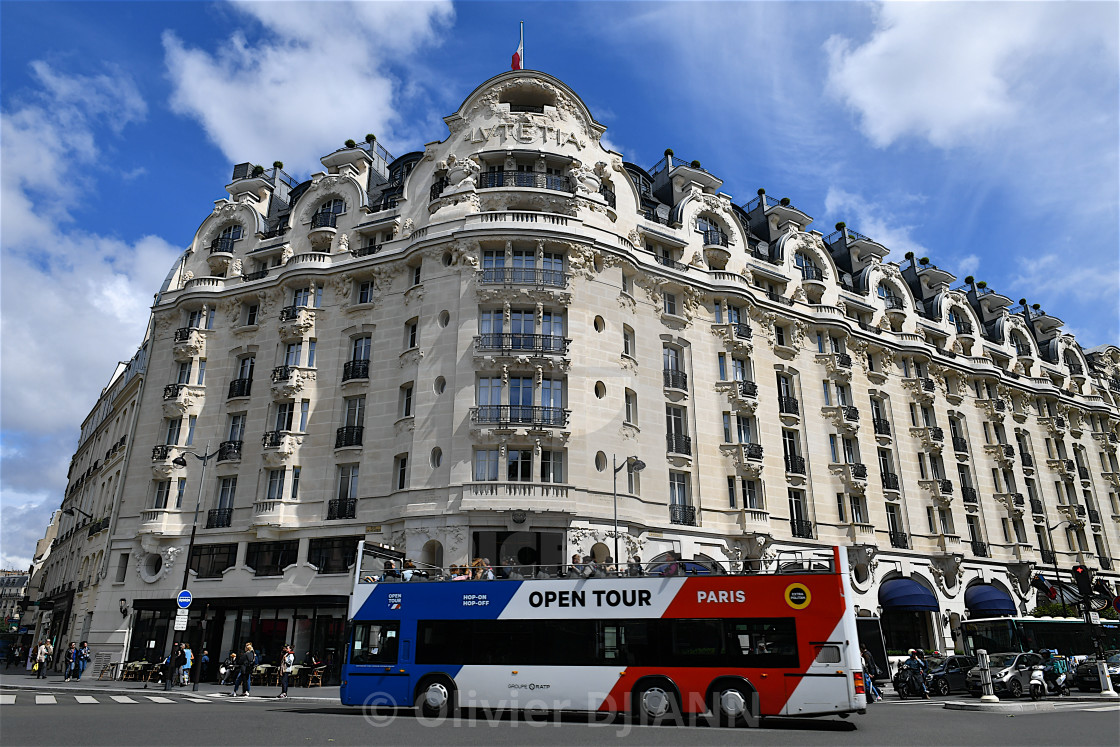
(519, 56)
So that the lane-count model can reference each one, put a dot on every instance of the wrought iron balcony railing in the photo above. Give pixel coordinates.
(808, 272)
(675, 379)
(355, 369)
(219, 517)
(851, 412)
(753, 451)
(890, 481)
(510, 342)
(171, 391)
(1036, 506)
(240, 388)
(960, 445)
(788, 406)
(348, 435)
(748, 388)
(795, 464)
(742, 330)
(519, 415)
(882, 426)
(899, 540)
(341, 508)
(968, 495)
(714, 237)
(272, 439)
(677, 443)
(670, 263)
(282, 373)
(229, 451)
(530, 179)
(801, 528)
(324, 220)
(221, 245)
(522, 276)
(682, 514)
(162, 452)
(184, 333)
(979, 549)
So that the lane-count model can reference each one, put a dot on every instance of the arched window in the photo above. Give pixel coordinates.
(712, 232)
(231, 232)
(809, 269)
(225, 239)
(890, 299)
(335, 206)
(958, 319)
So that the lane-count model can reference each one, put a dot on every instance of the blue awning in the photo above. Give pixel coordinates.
(907, 595)
(985, 600)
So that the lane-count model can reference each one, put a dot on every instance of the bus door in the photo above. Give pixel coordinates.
(822, 686)
(380, 663)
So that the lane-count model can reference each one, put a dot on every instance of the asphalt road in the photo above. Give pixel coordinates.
(58, 717)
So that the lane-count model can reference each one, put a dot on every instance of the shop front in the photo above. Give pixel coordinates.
(315, 626)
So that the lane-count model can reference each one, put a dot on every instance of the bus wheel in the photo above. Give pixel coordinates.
(654, 703)
(730, 706)
(436, 700)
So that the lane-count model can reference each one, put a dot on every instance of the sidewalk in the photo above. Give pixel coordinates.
(21, 680)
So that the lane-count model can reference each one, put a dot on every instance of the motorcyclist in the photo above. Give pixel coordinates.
(917, 666)
(1052, 669)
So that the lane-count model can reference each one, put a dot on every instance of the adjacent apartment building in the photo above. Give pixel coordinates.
(517, 345)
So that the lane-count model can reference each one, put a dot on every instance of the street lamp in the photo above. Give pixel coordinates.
(70, 512)
(635, 464)
(1054, 555)
(179, 461)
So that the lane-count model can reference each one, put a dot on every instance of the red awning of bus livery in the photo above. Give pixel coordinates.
(985, 600)
(907, 595)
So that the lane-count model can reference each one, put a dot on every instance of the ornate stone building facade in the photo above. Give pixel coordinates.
(459, 352)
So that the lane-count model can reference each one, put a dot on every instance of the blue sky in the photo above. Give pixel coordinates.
(982, 135)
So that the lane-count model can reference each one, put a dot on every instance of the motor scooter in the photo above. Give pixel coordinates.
(1040, 685)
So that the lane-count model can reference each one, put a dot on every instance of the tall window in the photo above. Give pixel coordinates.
(359, 350)
(411, 334)
(366, 290)
(401, 469)
(670, 303)
(275, 484)
(348, 482)
(552, 466)
(485, 464)
(245, 367)
(627, 341)
(406, 401)
(631, 401)
(355, 411)
(671, 359)
(292, 353)
(237, 427)
(227, 491)
(679, 494)
(171, 431)
(163, 489)
(519, 465)
(184, 376)
(284, 413)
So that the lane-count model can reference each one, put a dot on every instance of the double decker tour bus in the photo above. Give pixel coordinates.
(731, 646)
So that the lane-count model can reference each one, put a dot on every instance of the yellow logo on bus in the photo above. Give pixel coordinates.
(798, 596)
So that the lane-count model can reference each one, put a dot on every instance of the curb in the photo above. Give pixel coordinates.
(209, 694)
(961, 705)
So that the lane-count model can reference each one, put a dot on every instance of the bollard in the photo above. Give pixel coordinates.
(987, 693)
(1105, 680)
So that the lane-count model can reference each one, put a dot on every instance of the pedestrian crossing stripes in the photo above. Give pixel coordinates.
(46, 699)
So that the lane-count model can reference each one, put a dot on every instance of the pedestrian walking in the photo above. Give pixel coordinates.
(287, 661)
(41, 660)
(84, 658)
(870, 672)
(245, 665)
(188, 661)
(203, 665)
(69, 661)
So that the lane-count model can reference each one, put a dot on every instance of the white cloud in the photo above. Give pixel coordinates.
(319, 75)
(71, 303)
(968, 265)
(872, 220)
(1053, 278)
(953, 72)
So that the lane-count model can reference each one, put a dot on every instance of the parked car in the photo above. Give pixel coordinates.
(1011, 674)
(1085, 677)
(949, 674)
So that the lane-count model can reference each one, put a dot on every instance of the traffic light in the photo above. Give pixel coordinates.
(1084, 579)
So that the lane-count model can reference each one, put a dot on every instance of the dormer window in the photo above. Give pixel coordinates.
(327, 214)
(225, 239)
(809, 269)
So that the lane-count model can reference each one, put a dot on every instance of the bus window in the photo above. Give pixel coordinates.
(375, 642)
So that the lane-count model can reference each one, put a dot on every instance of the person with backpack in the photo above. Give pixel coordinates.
(82, 659)
(870, 672)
